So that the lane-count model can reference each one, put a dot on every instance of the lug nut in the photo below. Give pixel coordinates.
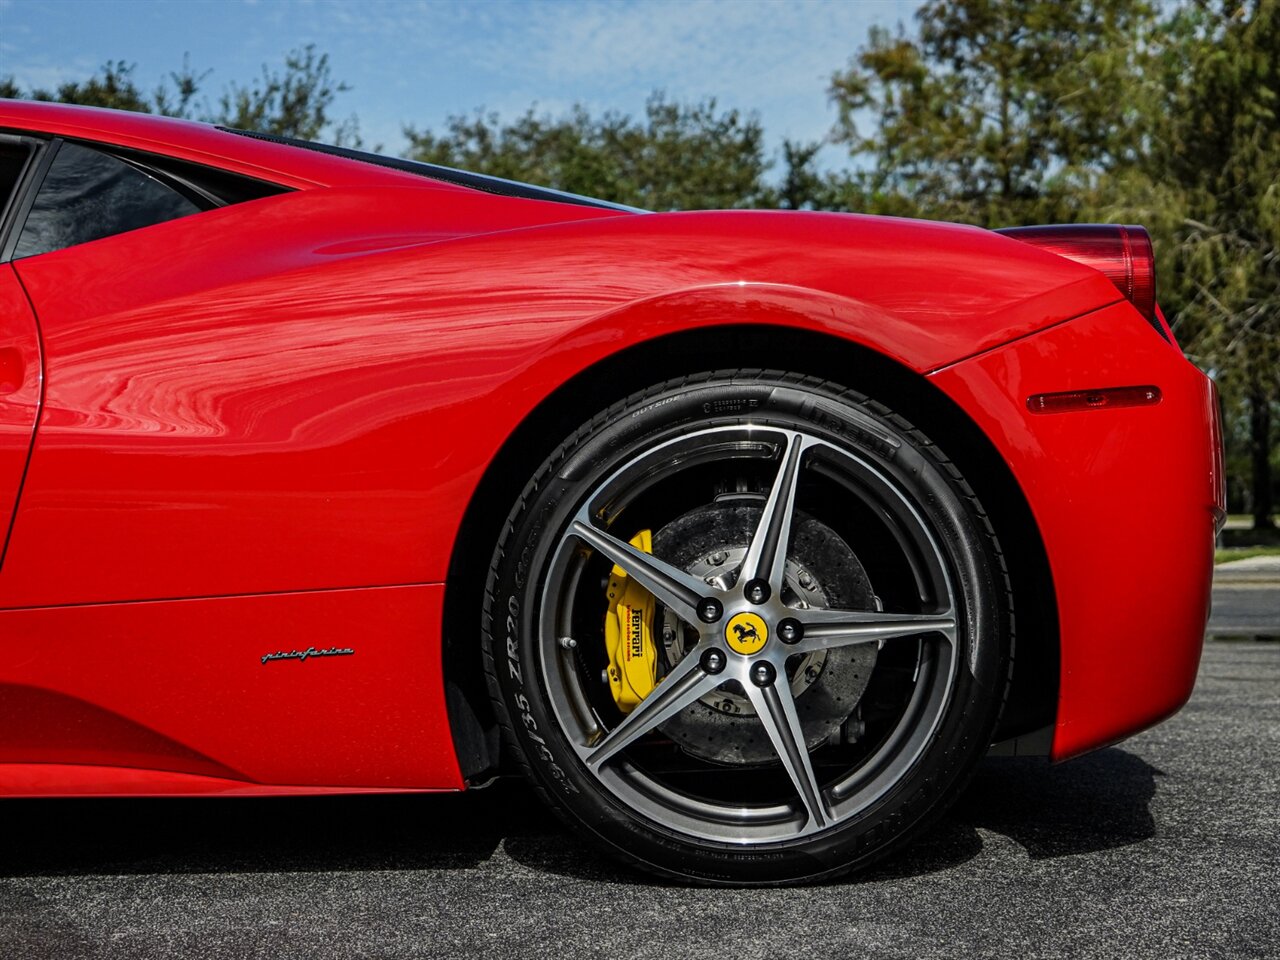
(713, 661)
(790, 630)
(757, 591)
(709, 610)
(762, 673)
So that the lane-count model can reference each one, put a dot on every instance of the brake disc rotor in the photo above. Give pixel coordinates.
(821, 571)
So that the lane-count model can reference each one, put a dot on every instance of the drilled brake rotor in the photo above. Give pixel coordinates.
(821, 571)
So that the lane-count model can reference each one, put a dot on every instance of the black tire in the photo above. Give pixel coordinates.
(819, 761)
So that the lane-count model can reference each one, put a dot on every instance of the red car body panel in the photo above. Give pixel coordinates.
(20, 378)
(1125, 500)
(88, 780)
(180, 687)
(197, 142)
(262, 425)
(272, 431)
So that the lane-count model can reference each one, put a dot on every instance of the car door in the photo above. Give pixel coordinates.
(227, 408)
(20, 369)
(196, 438)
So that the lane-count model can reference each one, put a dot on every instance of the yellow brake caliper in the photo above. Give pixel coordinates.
(628, 634)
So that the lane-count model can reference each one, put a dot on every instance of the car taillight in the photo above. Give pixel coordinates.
(1122, 253)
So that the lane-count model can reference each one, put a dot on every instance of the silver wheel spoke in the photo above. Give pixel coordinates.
(777, 711)
(686, 683)
(767, 555)
(824, 629)
(624, 756)
(672, 586)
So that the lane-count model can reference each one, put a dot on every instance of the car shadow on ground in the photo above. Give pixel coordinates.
(1098, 802)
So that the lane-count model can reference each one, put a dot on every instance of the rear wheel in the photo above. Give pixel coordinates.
(748, 628)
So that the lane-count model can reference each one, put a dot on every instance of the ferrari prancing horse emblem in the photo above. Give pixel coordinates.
(746, 633)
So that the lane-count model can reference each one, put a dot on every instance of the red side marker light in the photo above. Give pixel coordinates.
(1108, 398)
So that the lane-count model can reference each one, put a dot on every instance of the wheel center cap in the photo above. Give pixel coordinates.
(746, 633)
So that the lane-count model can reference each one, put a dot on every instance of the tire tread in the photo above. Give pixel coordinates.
(937, 804)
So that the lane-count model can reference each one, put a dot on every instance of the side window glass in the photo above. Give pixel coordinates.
(88, 195)
(13, 158)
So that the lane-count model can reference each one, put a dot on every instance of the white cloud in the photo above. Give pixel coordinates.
(38, 72)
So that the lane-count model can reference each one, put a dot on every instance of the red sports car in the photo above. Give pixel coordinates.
(744, 535)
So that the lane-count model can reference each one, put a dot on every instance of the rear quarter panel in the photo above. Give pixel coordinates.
(1125, 501)
(292, 395)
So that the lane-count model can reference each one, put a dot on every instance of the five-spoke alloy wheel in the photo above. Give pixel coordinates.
(821, 640)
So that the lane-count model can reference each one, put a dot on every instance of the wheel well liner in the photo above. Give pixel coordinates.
(1032, 702)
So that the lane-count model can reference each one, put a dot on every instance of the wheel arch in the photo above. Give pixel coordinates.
(1032, 701)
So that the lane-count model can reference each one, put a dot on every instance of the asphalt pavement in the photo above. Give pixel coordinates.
(1165, 846)
(1246, 598)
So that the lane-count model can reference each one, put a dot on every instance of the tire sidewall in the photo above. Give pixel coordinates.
(513, 616)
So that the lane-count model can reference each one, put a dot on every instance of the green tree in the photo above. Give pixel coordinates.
(179, 100)
(295, 101)
(1004, 112)
(1220, 146)
(803, 186)
(111, 87)
(999, 112)
(677, 156)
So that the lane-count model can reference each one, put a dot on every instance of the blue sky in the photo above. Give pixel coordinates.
(417, 61)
